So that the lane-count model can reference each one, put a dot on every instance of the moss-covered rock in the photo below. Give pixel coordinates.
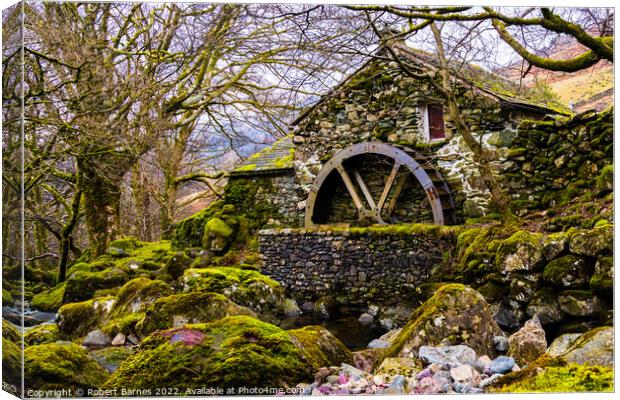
(232, 352)
(111, 358)
(137, 294)
(605, 180)
(520, 252)
(77, 319)
(40, 334)
(554, 245)
(7, 298)
(10, 332)
(593, 242)
(177, 264)
(49, 300)
(457, 314)
(55, 366)
(579, 303)
(188, 308)
(217, 235)
(246, 287)
(545, 305)
(528, 343)
(602, 281)
(11, 366)
(82, 285)
(549, 374)
(320, 347)
(569, 272)
(595, 347)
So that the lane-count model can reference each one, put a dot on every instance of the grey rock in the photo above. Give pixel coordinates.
(366, 319)
(119, 339)
(397, 386)
(502, 365)
(528, 343)
(501, 343)
(562, 343)
(291, 309)
(486, 382)
(595, 347)
(452, 355)
(96, 338)
(378, 344)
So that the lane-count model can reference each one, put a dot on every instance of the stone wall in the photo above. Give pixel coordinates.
(550, 162)
(354, 266)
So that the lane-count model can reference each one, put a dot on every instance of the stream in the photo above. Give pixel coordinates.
(346, 328)
(31, 317)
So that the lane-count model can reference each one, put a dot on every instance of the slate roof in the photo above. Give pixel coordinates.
(488, 82)
(277, 158)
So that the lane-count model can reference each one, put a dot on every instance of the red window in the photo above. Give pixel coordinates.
(436, 128)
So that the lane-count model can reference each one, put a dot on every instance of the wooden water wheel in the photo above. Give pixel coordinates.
(378, 183)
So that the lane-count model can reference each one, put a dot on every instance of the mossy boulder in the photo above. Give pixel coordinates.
(319, 347)
(593, 242)
(188, 308)
(580, 303)
(54, 366)
(217, 235)
(10, 332)
(75, 320)
(233, 352)
(605, 180)
(520, 252)
(177, 264)
(528, 343)
(246, 287)
(548, 374)
(569, 272)
(602, 281)
(456, 314)
(40, 334)
(554, 245)
(82, 285)
(7, 298)
(11, 366)
(545, 305)
(111, 358)
(49, 300)
(595, 347)
(127, 244)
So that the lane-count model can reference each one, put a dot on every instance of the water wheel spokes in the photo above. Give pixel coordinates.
(361, 166)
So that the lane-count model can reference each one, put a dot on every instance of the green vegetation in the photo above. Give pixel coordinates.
(49, 300)
(75, 320)
(11, 363)
(231, 352)
(44, 333)
(548, 374)
(10, 332)
(61, 366)
(184, 308)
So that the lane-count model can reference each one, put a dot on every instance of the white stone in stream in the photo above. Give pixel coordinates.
(366, 319)
(119, 339)
(96, 338)
(465, 373)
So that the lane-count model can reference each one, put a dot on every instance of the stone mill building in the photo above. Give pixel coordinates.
(381, 148)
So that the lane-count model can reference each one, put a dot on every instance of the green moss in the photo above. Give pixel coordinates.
(605, 180)
(82, 285)
(40, 334)
(10, 332)
(402, 229)
(7, 298)
(229, 353)
(11, 366)
(567, 271)
(247, 167)
(61, 366)
(125, 324)
(127, 244)
(77, 319)
(319, 347)
(246, 287)
(137, 293)
(555, 375)
(49, 300)
(193, 307)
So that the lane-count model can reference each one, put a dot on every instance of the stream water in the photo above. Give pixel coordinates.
(31, 317)
(346, 328)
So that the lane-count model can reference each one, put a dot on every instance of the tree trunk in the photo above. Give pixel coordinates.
(100, 181)
(65, 236)
(166, 216)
